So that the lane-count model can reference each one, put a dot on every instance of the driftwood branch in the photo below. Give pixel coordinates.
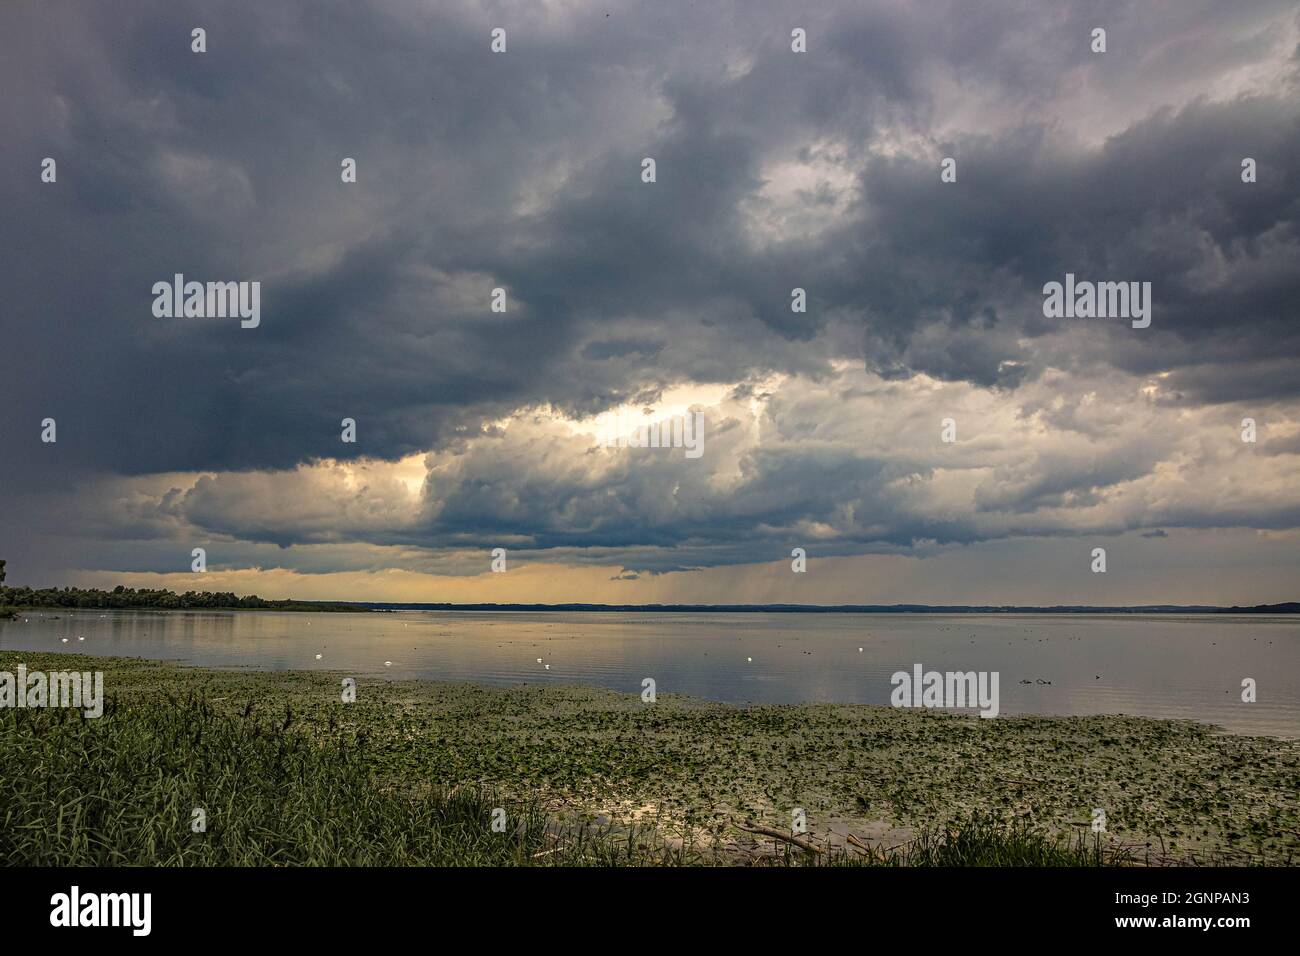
(750, 827)
(854, 841)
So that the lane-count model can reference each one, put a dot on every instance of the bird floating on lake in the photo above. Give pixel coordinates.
(318, 657)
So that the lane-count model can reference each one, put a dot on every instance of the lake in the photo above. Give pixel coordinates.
(1183, 666)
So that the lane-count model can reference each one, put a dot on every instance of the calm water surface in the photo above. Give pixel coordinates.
(1152, 665)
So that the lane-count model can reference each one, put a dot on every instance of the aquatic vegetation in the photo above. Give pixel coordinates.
(410, 773)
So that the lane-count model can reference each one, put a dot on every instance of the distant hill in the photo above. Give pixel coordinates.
(1290, 607)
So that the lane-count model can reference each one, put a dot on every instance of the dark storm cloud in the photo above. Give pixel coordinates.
(522, 171)
(1162, 203)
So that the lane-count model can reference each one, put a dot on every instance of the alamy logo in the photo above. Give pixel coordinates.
(1099, 300)
(680, 431)
(81, 691)
(103, 909)
(213, 300)
(950, 689)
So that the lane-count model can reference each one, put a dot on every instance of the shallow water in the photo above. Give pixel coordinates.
(1152, 665)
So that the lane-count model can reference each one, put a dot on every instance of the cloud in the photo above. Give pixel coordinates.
(848, 464)
(775, 170)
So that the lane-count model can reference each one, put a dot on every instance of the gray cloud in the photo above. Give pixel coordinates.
(522, 171)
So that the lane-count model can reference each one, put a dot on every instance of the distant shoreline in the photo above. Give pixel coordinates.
(1291, 607)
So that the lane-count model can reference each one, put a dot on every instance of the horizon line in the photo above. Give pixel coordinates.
(1286, 607)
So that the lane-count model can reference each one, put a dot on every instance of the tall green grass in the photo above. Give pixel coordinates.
(121, 790)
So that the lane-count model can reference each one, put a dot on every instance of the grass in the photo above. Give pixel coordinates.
(122, 790)
(411, 772)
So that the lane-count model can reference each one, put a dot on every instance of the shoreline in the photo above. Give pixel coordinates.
(1284, 610)
(1172, 790)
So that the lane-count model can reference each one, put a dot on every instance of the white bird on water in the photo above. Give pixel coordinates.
(318, 657)
(750, 659)
(388, 663)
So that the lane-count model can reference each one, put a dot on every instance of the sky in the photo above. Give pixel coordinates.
(628, 302)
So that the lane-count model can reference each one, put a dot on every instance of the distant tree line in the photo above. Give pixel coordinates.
(126, 598)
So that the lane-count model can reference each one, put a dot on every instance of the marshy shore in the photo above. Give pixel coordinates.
(410, 773)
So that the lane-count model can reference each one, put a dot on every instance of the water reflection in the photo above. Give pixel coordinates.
(1153, 665)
